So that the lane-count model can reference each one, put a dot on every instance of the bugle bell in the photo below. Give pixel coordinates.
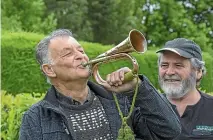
(135, 42)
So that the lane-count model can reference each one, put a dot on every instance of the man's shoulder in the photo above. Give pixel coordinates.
(207, 99)
(35, 108)
(207, 96)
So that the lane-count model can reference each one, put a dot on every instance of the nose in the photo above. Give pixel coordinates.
(170, 70)
(81, 56)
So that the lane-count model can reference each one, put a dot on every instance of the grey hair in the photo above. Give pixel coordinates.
(42, 52)
(199, 65)
(196, 64)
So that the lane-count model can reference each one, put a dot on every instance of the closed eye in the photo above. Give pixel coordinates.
(82, 51)
(67, 54)
(179, 65)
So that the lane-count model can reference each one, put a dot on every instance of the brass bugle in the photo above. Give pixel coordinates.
(135, 42)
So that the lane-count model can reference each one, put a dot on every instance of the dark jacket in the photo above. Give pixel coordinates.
(152, 119)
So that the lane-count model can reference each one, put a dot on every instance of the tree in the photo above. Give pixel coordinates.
(164, 20)
(72, 14)
(25, 15)
(201, 14)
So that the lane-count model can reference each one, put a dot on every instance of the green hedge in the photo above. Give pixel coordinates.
(21, 73)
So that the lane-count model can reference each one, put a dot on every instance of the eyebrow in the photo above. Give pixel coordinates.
(66, 49)
(79, 46)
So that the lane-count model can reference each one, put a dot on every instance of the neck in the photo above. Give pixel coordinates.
(191, 98)
(76, 90)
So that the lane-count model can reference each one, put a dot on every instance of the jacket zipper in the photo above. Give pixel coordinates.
(65, 122)
(65, 128)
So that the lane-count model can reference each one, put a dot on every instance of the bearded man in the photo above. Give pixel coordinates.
(181, 68)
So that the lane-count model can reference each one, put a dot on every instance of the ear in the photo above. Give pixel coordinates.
(199, 74)
(48, 70)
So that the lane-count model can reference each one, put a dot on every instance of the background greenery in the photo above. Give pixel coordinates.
(21, 72)
(12, 109)
(108, 21)
(99, 25)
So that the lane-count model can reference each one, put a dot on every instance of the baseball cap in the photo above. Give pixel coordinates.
(183, 47)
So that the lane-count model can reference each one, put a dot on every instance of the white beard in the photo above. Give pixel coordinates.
(176, 90)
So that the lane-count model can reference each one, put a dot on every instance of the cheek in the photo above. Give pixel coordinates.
(161, 72)
(65, 64)
(185, 75)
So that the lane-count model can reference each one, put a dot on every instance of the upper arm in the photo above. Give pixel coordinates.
(30, 127)
(155, 117)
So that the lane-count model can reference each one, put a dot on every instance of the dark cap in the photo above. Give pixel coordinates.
(183, 47)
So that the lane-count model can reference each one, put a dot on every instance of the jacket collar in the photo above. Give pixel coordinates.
(97, 89)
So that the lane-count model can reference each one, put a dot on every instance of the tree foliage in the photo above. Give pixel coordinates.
(25, 15)
(109, 21)
(164, 20)
(72, 14)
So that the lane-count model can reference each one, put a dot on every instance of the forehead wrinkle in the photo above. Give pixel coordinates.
(55, 45)
(67, 48)
(69, 45)
(172, 61)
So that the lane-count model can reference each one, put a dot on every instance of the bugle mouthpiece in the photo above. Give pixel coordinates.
(84, 64)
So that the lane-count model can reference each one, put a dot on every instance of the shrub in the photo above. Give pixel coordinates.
(12, 109)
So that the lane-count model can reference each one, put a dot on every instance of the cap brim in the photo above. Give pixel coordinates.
(177, 51)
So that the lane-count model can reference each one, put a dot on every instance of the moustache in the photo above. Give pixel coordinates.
(171, 77)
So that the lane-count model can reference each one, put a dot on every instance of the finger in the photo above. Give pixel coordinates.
(113, 79)
(108, 79)
(117, 79)
(121, 75)
(107, 86)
